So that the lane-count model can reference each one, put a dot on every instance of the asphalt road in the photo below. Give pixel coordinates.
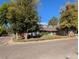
(48, 50)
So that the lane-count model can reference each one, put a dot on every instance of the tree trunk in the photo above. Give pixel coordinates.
(20, 36)
(26, 34)
(16, 36)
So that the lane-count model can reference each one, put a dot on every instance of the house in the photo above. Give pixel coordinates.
(49, 29)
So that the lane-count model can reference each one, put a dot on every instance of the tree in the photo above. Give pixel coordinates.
(53, 21)
(3, 20)
(23, 16)
(3, 11)
(69, 16)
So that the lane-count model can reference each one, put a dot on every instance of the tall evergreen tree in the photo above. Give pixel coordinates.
(69, 16)
(53, 21)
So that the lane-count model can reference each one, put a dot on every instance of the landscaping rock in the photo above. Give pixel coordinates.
(71, 34)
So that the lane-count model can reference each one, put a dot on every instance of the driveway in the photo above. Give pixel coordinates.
(45, 50)
(4, 39)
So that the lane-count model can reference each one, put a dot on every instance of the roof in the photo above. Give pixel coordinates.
(48, 28)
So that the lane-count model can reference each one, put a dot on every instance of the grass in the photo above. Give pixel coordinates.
(44, 37)
(49, 37)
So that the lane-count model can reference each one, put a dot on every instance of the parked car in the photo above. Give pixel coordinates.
(34, 35)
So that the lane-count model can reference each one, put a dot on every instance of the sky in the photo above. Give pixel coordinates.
(47, 8)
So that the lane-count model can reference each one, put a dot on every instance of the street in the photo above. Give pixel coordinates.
(45, 50)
